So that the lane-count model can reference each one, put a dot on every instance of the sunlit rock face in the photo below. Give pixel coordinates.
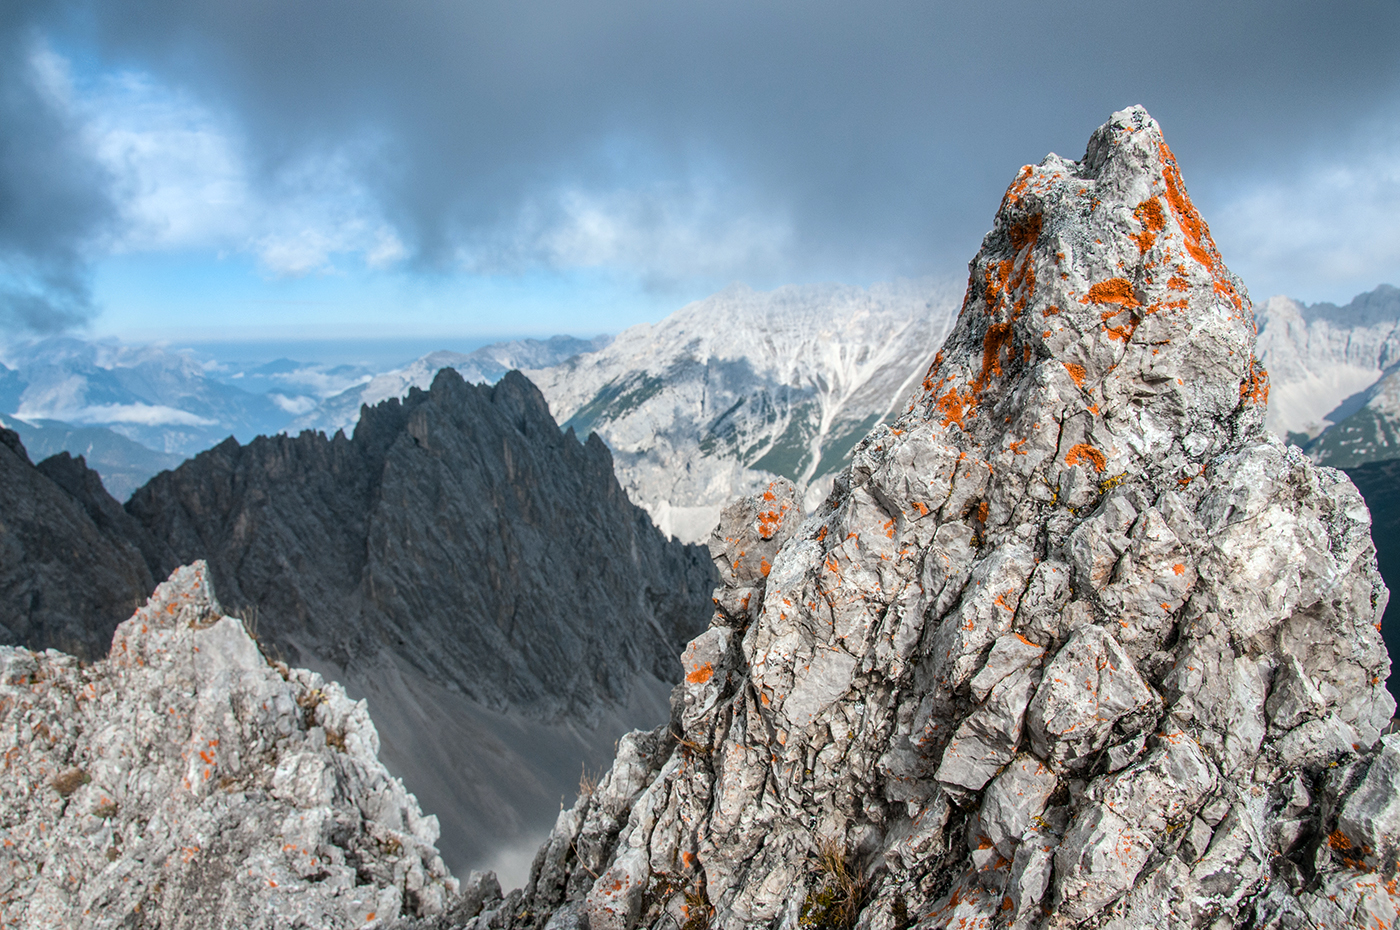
(1074, 642)
(186, 782)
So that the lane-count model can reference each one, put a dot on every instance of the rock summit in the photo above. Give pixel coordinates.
(1073, 642)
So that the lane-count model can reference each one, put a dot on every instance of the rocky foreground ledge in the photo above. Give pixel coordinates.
(186, 782)
(1073, 643)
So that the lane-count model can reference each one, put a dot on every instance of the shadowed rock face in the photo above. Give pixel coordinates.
(70, 564)
(460, 530)
(1074, 642)
(475, 574)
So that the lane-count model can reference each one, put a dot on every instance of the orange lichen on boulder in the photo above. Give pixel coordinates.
(1114, 291)
(954, 408)
(998, 337)
(1149, 214)
(1254, 389)
(1083, 452)
(701, 674)
(1076, 373)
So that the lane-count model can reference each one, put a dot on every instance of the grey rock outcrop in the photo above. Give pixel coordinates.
(186, 782)
(473, 571)
(1074, 642)
(71, 562)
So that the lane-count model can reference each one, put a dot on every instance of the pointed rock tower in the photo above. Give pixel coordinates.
(1075, 642)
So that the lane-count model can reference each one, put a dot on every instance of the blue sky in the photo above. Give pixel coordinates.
(303, 170)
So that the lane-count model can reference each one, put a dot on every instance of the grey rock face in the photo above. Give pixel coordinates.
(71, 566)
(459, 528)
(1074, 642)
(186, 782)
(473, 571)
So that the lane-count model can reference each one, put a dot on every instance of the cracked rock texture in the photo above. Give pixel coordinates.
(186, 782)
(1073, 642)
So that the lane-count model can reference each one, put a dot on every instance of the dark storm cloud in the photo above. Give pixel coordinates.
(53, 196)
(881, 134)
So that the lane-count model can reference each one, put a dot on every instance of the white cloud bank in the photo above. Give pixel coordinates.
(1326, 228)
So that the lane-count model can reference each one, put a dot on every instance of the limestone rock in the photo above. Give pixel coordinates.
(186, 782)
(1073, 642)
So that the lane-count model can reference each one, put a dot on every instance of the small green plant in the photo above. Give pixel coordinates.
(840, 891)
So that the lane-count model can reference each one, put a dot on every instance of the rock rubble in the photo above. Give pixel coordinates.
(186, 782)
(1074, 642)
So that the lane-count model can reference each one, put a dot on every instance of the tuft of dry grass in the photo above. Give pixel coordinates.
(587, 783)
(835, 902)
(66, 782)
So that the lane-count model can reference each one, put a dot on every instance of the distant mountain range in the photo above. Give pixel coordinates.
(1326, 367)
(727, 392)
(703, 406)
(486, 365)
(133, 411)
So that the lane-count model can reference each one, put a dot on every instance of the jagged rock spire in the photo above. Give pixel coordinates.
(1073, 643)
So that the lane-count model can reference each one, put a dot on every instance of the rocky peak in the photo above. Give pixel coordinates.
(184, 781)
(1074, 642)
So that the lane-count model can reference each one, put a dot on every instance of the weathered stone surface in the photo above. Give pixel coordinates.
(1074, 642)
(186, 782)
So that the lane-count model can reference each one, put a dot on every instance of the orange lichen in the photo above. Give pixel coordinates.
(1199, 243)
(982, 512)
(1149, 214)
(701, 674)
(1025, 233)
(1338, 840)
(764, 567)
(769, 521)
(1254, 389)
(1179, 568)
(954, 407)
(1083, 452)
(998, 337)
(1076, 373)
(1020, 185)
(1114, 291)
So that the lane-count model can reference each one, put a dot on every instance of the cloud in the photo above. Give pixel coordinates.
(183, 179)
(1329, 224)
(139, 414)
(54, 196)
(674, 142)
